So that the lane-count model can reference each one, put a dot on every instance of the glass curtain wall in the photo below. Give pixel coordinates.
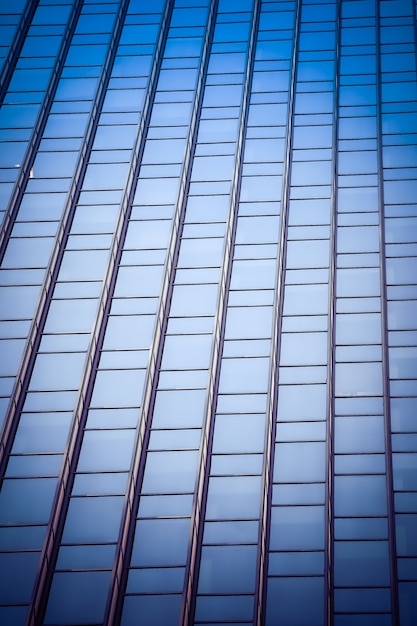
(208, 305)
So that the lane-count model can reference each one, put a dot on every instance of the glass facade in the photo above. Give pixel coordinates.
(208, 313)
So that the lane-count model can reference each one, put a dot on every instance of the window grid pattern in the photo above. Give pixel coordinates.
(298, 514)
(360, 459)
(25, 253)
(124, 105)
(34, 466)
(399, 160)
(35, 266)
(15, 20)
(27, 102)
(287, 76)
(125, 397)
(179, 135)
(208, 312)
(218, 558)
(167, 501)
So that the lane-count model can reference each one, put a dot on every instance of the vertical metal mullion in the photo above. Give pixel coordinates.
(16, 46)
(384, 334)
(32, 345)
(272, 410)
(125, 543)
(200, 496)
(331, 346)
(33, 146)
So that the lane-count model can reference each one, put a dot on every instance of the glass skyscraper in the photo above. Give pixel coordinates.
(208, 305)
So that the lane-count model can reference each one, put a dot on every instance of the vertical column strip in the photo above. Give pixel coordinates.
(360, 510)
(199, 505)
(331, 346)
(26, 166)
(125, 543)
(16, 46)
(384, 334)
(265, 528)
(297, 553)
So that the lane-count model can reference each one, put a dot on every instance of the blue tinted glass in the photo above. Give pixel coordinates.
(157, 609)
(372, 500)
(361, 563)
(283, 601)
(77, 596)
(297, 528)
(233, 498)
(17, 576)
(227, 569)
(160, 542)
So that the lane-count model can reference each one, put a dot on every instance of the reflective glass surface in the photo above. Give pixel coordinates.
(208, 305)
